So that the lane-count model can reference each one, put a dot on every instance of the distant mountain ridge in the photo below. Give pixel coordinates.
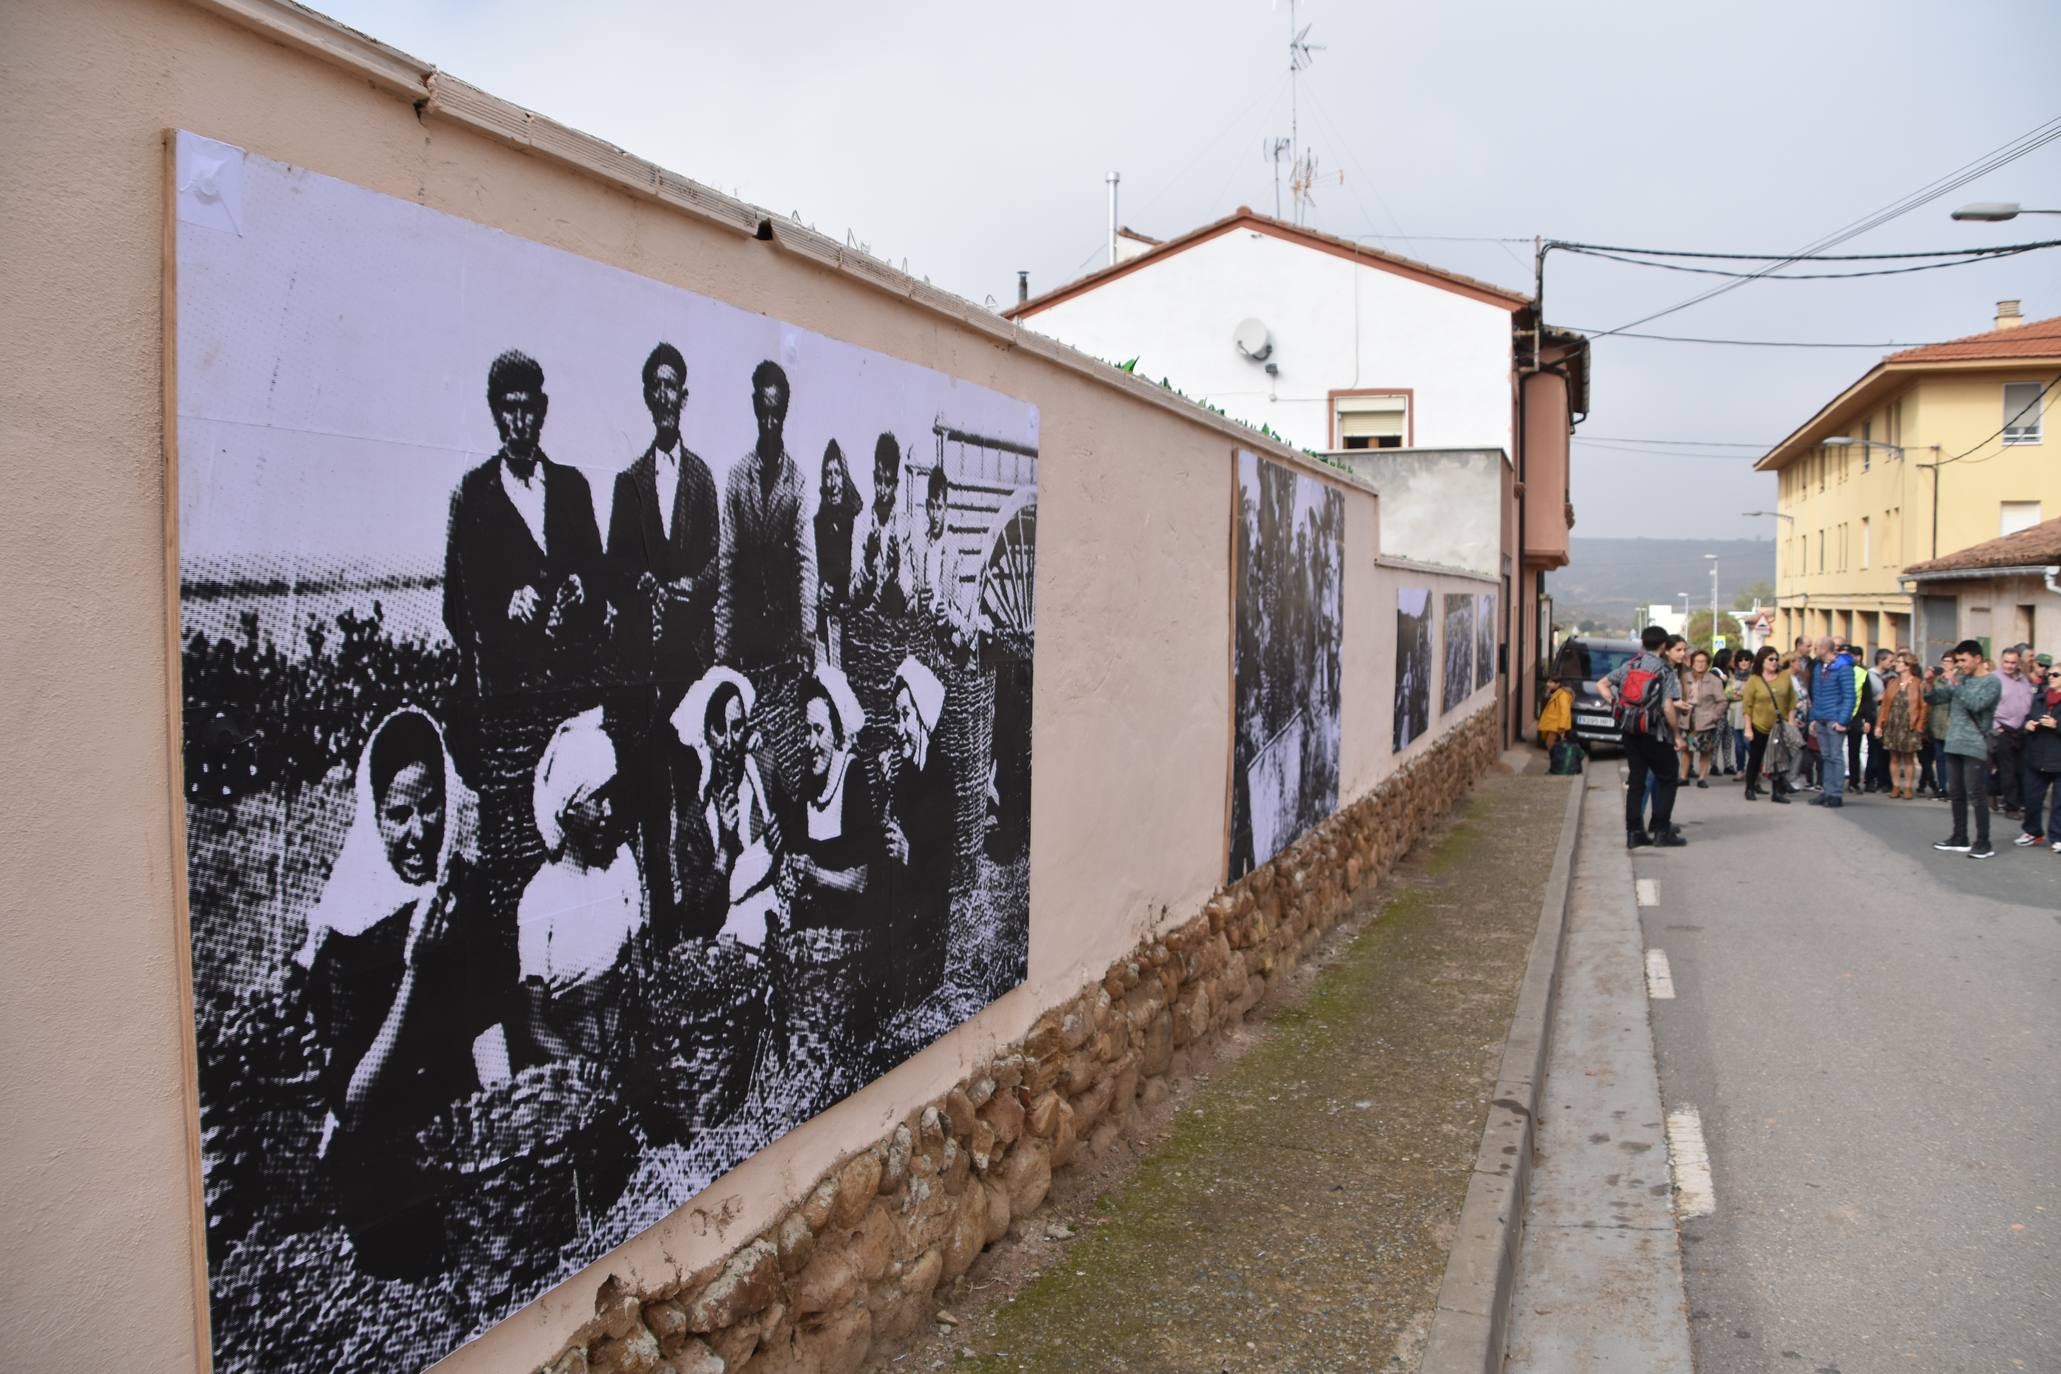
(1608, 578)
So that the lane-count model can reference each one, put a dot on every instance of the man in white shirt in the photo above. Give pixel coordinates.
(662, 544)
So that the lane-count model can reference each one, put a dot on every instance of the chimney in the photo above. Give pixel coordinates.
(1022, 287)
(2008, 315)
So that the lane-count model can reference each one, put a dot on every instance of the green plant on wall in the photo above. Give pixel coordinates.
(1130, 365)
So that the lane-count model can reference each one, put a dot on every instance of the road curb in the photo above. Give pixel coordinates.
(1470, 1326)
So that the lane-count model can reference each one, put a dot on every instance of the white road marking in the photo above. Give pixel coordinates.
(1649, 892)
(1660, 980)
(1695, 1194)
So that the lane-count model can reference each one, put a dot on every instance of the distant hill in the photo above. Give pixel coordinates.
(1607, 578)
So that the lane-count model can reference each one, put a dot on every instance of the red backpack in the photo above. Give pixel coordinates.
(1637, 710)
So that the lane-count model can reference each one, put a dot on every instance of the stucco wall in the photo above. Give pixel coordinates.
(1335, 325)
(1438, 506)
(1133, 681)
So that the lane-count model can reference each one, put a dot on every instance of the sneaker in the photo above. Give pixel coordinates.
(2024, 839)
(1952, 846)
(1703, 782)
(2057, 846)
(1834, 802)
(1637, 839)
(1982, 851)
(1782, 799)
(1673, 839)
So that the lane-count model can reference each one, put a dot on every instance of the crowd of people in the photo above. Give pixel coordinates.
(1826, 719)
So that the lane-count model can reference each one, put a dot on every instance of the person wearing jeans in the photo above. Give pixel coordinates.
(1968, 692)
(1832, 710)
(1650, 753)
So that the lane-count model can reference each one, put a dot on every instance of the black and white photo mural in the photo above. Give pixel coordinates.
(1458, 683)
(1415, 637)
(606, 745)
(1289, 579)
(1484, 639)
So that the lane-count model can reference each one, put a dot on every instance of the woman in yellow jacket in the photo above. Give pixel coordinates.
(1769, 700)
(1556, 717)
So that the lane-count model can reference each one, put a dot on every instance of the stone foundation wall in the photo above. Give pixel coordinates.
(853, 1265)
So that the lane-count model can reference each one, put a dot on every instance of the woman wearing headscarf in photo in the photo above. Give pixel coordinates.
(837, 512)
(730, 836)
(580, 916)
(840, 837)
(407, 989)
(916, 897)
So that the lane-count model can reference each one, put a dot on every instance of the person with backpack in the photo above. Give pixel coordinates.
(1644, 696)
(1832, 712)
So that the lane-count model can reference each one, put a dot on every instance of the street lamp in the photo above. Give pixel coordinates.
(1713, 599)
(1685, 611)
(1996, 211)
(1777, 514)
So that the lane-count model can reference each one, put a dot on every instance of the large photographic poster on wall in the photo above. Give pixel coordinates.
(1289, 578)
(1484, 639)
(1458, 683)
(606, 739)
(1415, 636)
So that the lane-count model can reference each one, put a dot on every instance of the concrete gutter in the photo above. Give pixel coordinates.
(1470, 1327)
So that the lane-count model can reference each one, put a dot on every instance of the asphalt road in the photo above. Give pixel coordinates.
(1870, 1032)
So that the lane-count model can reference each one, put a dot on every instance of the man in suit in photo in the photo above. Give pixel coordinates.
(766, 615)
(524, 603)
(663, 538)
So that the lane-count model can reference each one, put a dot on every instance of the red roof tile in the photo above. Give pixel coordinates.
(2036, 547)
(1246, 218)
(2033, 339)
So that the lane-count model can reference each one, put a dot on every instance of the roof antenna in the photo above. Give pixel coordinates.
(1302, 171)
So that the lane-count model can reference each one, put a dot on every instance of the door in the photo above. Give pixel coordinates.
(1942, 628)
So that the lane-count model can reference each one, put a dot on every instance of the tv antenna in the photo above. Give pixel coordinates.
(1302, 167)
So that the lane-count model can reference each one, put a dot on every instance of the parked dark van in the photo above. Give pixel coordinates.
(1578, 665)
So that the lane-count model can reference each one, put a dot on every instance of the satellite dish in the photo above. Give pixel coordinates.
(1251, 340)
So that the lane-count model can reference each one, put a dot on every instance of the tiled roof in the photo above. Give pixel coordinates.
(2033, 339)
(2036, 547)
(1247, 218)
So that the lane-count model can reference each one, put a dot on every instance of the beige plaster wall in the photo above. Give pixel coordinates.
(1132, 691)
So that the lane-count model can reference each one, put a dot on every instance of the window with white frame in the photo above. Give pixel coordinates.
(2017, 515)
(2022, 412)
(1372, 421)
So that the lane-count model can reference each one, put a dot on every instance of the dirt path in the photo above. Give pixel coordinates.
(1291, 1208)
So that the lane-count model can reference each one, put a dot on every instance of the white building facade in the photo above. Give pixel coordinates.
(1354, 348)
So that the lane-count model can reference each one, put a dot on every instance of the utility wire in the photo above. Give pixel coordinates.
(2040, 400)
(1735, 343)
(1768, 274)
(1799, 257)
(2035, 138)
(1685, 443)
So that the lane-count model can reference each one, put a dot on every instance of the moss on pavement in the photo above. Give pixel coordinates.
(1298, 1215)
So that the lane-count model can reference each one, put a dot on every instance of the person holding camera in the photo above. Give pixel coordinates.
(2042, 751)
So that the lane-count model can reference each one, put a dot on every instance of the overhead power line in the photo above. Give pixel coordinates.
(1767, 274)
(1684, 443)
(1737, 343)
(2040, 400)
(1798, 257)
(2030, 141)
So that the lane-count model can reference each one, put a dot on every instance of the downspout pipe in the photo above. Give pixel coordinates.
(2054, 579)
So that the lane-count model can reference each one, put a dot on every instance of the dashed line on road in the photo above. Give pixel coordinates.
(1660, 980)
(1695, 1193)
(1649, 892)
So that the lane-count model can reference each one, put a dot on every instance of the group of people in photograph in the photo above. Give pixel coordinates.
(665, 749)
(1982, 734)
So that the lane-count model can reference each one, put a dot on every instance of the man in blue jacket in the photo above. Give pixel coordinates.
(1832, 707)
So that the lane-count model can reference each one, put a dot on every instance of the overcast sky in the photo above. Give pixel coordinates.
(972, 140)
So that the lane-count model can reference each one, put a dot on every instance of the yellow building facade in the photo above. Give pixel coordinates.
(1935, 449)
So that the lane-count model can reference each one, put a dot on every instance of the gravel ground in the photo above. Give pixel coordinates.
(1291, 1209)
